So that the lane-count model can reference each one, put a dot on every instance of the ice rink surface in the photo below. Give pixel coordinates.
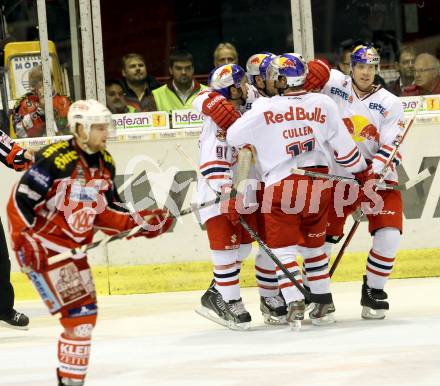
(159, 340)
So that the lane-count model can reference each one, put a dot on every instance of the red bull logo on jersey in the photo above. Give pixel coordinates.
(361, 129)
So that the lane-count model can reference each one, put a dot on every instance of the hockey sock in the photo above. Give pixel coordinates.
(287, 256)
(73, 357)
(316, 267)
(243, 252)
(74, 346)
(265, 274)
(381, 257)
(226, 273)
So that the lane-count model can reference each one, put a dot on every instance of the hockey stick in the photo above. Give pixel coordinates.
(125, 234)
(383, 186)
(317, 298)
(397, 142)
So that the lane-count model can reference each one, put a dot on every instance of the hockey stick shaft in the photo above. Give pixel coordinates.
(260, 242)
(383, 186)
(398, 141)
(275, 259)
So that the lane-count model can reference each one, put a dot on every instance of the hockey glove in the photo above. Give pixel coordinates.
(221, 111)
(367, 179)
(30, 252)
(318, 75)
(231, 208)
(157, 221)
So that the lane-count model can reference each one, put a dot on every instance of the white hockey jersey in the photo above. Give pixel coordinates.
(217, 163)
(374, 121)
(295, 131)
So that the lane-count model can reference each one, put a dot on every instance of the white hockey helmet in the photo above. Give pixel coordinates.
(257, 65)
(87, 113)
(225, 76)
(291, 65)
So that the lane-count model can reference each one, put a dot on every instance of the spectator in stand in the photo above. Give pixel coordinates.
(182, 88)
(116, 103)
(28, 118)
(426, 76)
(225, 53)
(405, 67)
(137, 83)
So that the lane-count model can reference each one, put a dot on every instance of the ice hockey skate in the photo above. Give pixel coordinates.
(274, 310)
(295, 314)
(16, 320)
(372, 307)
(322, 314)
(232, 315)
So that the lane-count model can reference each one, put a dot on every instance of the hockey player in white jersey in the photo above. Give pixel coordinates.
(223, 113)
(272, 304)
(374, 118)
(229, 242)
(295, 131)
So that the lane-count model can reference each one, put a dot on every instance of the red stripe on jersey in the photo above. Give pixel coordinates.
(262, 270)
(382, 258)
(352, 164)
(226, 283)
(348, 155)
(380, 159)
(377, 272)
(220, 177)
(387, 147)
(320, 277)
(224, 163)
(315, 259)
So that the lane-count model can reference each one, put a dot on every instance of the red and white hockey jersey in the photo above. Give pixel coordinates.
(374, 121)
(217, 163)
(65, 196)
(295, 131)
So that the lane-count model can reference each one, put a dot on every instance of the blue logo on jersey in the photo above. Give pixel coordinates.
(378, 107)
(339, 92)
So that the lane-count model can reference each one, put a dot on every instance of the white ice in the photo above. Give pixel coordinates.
(159, 340)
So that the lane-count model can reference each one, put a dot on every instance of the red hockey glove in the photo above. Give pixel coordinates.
(365, 175)
(30, 252)
(157, 221)
(231, 208)
(363, 178)
(221, 111)
(318, 75)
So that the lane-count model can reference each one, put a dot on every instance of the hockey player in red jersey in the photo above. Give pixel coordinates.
(57, 205)
(295, 131)
(374, 118)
